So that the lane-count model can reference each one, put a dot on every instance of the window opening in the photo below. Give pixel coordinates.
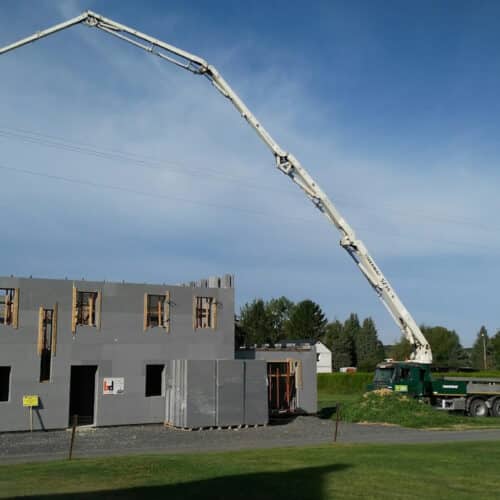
(47, 334)
(9, 306)
(157, 311)
(86, 309)
(154, 380)
(4, 383)
(204, 312)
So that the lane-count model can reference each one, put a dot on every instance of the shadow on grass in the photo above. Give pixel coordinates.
(327, 412)
(306, 483)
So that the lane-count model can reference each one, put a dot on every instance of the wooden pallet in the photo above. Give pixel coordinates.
(214, 427)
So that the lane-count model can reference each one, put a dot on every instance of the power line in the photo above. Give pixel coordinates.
(29, 137)
(148, 194)
(55, 142)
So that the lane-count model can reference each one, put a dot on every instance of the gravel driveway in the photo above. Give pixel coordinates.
(25, 447)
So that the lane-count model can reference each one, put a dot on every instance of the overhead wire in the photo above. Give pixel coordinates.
(148, 194)
(63, 144)
(54, 142)
(269, 216)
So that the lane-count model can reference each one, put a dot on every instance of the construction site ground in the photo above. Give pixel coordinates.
(301, 431)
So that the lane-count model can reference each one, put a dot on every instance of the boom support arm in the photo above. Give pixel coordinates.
(285, 162)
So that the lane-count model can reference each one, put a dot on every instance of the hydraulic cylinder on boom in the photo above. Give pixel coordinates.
(285, 162)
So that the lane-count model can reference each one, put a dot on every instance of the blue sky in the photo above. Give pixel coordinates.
(392, 106)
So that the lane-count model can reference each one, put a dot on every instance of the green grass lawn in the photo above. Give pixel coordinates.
(455, 470)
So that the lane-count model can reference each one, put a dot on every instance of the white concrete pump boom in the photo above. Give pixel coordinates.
(285, 162)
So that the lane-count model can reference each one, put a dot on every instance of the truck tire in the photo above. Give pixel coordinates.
(478, 408)
(495, 407)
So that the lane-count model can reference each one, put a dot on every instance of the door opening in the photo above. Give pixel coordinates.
(282, 394)
(82, 394)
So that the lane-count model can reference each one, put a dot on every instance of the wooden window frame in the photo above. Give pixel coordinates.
(93, 307)
(45, 352)
(11, 307)
(42, 322)
(163, 312)
(204, 313)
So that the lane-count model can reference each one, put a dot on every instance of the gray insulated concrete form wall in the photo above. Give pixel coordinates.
(119, 348)
(307, 392)
(216, 393)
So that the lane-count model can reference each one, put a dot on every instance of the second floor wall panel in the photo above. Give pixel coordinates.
(121, 325)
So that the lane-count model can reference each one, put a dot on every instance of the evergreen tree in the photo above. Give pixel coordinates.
(495, 344)
(351, 329)
(369, 350)
(255, 323)
(341, 345)
(482, 351)
(306, 321)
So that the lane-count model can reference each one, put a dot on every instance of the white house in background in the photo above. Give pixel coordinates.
(323, 354)
(323, 358)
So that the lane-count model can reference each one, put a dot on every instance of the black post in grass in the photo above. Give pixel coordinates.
(73, 431)
(337, 421)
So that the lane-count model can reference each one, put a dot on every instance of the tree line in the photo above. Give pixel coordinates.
(447, 351)
(354, 342)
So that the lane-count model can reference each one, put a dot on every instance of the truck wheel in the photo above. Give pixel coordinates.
(478, 408)
(495, 408)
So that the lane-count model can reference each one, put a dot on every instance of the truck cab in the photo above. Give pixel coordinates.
(413, 379)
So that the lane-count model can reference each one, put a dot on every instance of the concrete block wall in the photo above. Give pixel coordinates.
(120, 348)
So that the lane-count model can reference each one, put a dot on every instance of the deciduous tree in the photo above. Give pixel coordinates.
(446, 348)
(278, 311)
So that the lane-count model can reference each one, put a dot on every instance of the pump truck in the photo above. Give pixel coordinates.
(478, 397)
(421, 356)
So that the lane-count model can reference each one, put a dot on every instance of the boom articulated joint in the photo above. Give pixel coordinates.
(284, 164)
(318, 203)
(348, 244)
(91, 20)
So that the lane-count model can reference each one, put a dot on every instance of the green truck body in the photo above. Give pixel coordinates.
(478, 397)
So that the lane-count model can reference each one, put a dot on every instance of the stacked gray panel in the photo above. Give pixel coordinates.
(200, 407)
(191, 398)
(216, 393)
(256, 406)
(176, 393)
(230, 392)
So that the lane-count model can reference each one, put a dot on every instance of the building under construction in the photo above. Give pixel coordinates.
(122, 353)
